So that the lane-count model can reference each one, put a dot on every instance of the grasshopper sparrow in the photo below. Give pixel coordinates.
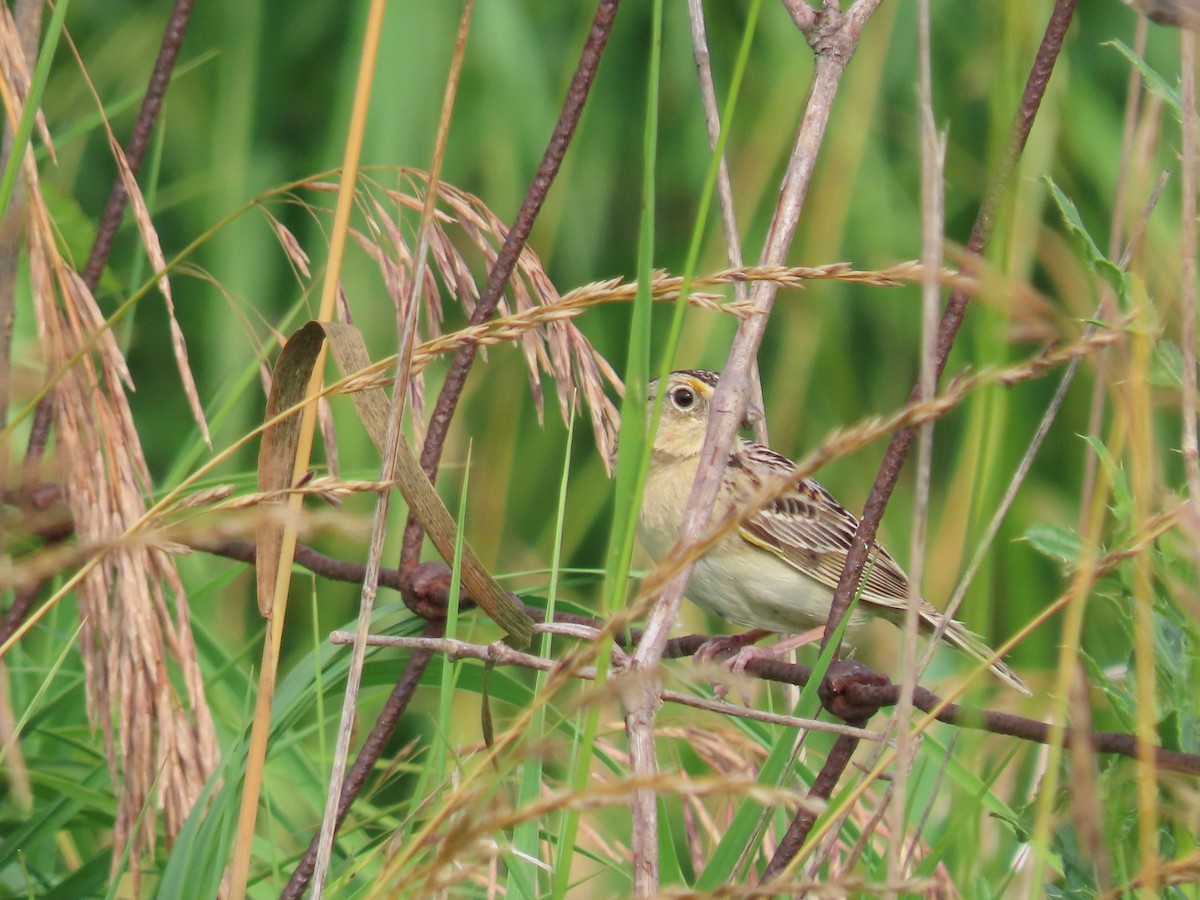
(777, 571)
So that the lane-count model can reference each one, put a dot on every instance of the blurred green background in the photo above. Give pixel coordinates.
(261, 98)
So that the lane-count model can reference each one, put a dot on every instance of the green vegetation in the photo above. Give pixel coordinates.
(240, 183)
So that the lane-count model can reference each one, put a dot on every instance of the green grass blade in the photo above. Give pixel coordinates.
(750, 819)
(32, 103)
(632, 442)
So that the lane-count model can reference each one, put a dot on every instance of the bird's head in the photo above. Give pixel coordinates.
(687, 402)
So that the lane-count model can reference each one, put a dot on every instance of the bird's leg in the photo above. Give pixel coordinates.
(784, 646)
(728, 643)
(738, 662)
(744, 651)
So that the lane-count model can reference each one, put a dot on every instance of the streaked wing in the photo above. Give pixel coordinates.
(809, 530)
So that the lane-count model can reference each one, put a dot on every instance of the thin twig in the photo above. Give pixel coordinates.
(935, 795)
(865, 835)
(933, 153)
(1117, 743)
(501, 654)
(139, 139)
(712, 119)
(819, 794)
(729, 228)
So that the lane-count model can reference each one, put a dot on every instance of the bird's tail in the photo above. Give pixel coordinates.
(969, 642)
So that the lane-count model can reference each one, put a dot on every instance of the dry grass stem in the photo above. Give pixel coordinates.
(150, 242)
(391, 452)
(933, 156)
(1086, 811)
(729, 227)
(1187, 265)
(330, 289)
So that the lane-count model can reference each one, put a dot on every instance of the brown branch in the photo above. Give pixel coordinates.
(34, 500)
(506, 259)
(1112, 742)
(893, 460)
(139, 138)
(851, 691)
(855, 699)
(819, 794)
(18, 610)
(832, 692)
(368, 754)
(39, 435)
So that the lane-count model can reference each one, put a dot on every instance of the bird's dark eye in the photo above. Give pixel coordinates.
(683, 398)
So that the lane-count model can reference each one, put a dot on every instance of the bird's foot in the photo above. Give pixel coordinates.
(728, 643)
(723, 645)
(779, 649)
(738, 662)
(744, 651)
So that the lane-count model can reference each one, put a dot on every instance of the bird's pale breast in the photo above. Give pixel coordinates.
(736, 581)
